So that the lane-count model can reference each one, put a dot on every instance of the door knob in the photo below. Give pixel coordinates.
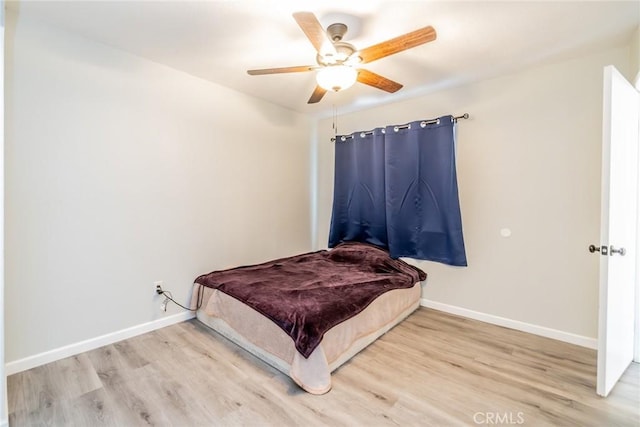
(604, 250)
(621, 251)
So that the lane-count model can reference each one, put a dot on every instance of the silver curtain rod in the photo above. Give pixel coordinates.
(408, 126)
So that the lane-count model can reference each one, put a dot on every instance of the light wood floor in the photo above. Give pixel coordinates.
(433, 369)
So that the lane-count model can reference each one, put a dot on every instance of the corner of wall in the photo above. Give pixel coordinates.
(635, 55)
(313, 182)
(4, 421)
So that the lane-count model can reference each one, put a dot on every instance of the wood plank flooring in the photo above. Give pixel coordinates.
(434, 369)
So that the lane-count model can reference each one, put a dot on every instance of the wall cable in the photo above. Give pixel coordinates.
(169, 297)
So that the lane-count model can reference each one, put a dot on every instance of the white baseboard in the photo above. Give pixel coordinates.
(513, 324)
(90, 344)
(93, 343)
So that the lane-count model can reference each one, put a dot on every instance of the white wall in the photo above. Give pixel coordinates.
(121, 172)
(528, 160)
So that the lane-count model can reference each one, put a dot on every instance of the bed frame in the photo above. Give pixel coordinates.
(263, 338)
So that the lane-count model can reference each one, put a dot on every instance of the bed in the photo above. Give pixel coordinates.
(308, 314)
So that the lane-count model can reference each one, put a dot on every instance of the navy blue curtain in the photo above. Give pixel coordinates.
(359, 191)
(397, 188)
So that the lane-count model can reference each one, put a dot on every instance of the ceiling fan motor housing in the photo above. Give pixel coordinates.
(343, 51)
(336, 31)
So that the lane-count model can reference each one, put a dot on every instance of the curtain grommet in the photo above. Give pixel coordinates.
(343, 138)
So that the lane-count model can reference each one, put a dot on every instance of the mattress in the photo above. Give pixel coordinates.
(262, 337)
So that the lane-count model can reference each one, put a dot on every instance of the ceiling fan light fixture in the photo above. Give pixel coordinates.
(336, 77)
(339, 62)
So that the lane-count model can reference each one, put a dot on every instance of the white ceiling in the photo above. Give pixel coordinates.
(220, 40)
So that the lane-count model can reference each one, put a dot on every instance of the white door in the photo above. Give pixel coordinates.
(618, 229)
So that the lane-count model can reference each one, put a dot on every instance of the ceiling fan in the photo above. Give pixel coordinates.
(338, 61)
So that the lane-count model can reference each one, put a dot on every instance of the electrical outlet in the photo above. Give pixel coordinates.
(157, 286)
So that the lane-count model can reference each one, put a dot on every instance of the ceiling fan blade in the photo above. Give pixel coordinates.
(398, 44)
(376, 80)
(314, 32)
(317, 95)
(296, 69)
